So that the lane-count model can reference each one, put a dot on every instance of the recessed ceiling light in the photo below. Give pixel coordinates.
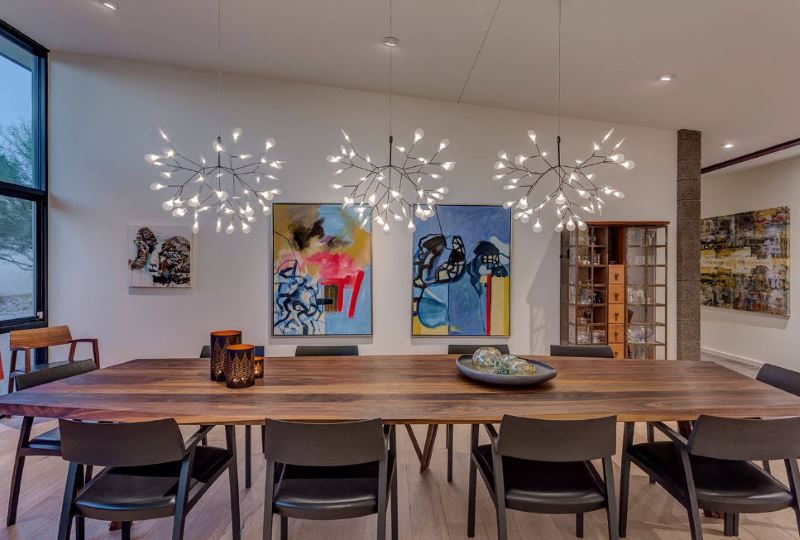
(113, 6)
(727, 145)
(390, 41)
(667, 77)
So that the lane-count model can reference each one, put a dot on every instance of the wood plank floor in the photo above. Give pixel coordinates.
(430, 508)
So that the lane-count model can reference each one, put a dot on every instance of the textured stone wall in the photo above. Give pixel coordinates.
(688, 233)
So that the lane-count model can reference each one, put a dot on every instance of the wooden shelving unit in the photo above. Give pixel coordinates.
(614, 287)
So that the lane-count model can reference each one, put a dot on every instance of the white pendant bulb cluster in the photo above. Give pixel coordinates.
(235, 184)
(393, 191)
(572, 190)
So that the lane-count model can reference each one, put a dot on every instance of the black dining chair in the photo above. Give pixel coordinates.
(205, 352)
(583, 351)
(49, 442)
(713, 469)
(544, 466)
(782, 378)
(149, 473)
(326, 350)
(330, 471)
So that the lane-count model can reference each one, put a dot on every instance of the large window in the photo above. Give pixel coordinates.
(23, 180)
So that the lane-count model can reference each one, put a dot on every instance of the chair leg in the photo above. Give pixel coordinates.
(625, 479)
(502, 526)
(381, 532)
(263, 439)
(67, 512)
(611, 500)
(393, 493)
(284, 528)
(233, 479)
(579, 525)
(449, 452)
(80, 528)
(16, 481)
(694, 522)
(248, 465)
(126, 530)
(766, 466)
(651, 437)
(473, 477)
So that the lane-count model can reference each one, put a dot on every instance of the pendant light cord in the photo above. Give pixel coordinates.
(391, 138)
(558, 135)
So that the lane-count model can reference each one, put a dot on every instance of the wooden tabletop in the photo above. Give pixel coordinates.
(401, 389)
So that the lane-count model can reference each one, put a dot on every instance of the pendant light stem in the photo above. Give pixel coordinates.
(219, 68)
(390, 95)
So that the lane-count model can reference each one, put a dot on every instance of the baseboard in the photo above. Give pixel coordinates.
(752, 362)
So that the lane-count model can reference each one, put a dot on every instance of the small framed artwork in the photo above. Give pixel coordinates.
(462, 272)
(321, 271)
(159, 256)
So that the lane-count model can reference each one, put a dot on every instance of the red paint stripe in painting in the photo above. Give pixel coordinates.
(354, 296)
(489, 304)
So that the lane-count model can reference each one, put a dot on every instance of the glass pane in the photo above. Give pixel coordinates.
(16, 111)
(17, 259)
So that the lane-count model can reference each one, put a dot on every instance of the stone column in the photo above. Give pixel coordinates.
(688, 232)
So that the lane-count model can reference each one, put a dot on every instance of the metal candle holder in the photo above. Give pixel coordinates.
(239, 364)
(219, 340)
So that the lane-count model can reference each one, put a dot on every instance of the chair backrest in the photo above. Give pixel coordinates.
(785, 379)
(745, 439)
(325, 445)
(121, 445)
(205, 352)
(39, 338)
(584, 351)
(43, 376)
(557, 440)
(470, 349)
(326, 350)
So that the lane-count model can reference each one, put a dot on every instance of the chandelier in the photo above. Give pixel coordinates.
(393, 191)
(573, 191)
(235, 184)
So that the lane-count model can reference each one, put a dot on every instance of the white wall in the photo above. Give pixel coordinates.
(104, 115)
(741, 335)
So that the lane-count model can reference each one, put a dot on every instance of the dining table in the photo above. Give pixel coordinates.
(401, 389)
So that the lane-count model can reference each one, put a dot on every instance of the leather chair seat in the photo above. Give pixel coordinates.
(733, 486)
(148, 491)
(321, 493)
(545, 487)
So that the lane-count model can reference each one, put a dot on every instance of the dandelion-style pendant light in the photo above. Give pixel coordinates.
(575, 191)
(235, 183)
(392, 192)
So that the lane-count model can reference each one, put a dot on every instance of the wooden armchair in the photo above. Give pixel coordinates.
(41, 338)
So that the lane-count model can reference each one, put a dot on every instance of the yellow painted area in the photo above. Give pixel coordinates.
(499, 307)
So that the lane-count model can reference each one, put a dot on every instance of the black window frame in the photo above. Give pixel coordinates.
(37, 194)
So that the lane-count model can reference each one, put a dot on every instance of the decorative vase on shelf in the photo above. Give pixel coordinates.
(219, 340)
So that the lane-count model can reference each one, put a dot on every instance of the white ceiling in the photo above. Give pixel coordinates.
(736, 60)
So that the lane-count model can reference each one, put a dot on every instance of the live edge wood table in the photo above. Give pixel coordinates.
(423, 389)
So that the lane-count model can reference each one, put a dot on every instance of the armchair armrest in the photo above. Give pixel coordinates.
(196, 437)
(673, 435)
(73, 343)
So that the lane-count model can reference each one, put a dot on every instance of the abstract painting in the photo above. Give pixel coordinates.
(322, 271)
(462, 272)
(744, 262)
(159, 256)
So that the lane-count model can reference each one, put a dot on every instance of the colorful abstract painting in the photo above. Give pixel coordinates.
(322, 271)
(462, 272)
(744, 262)
(159, 256)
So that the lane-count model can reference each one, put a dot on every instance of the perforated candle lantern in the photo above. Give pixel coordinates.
(259, 364)
(219, 340)
(240, 366)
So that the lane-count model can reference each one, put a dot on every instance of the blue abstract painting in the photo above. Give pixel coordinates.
(462, 272)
